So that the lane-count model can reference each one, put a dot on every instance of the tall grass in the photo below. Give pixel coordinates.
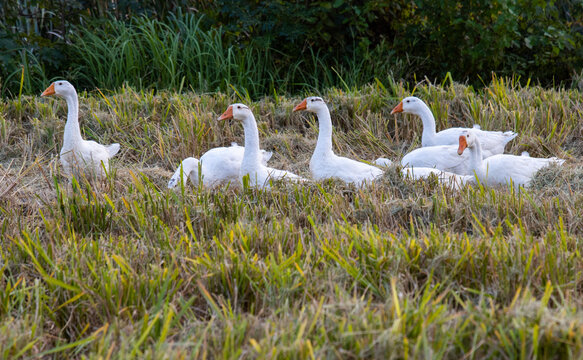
(178, 53)
(182, 54)
(35, 75)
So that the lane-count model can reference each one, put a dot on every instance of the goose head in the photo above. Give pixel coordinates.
(61, 88)
(409, 105)
(236, 111)
(311, 104)
(467, 139)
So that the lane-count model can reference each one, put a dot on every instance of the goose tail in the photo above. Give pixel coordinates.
(186, 167)
(509, 135)
(112, 149)
(383, 162)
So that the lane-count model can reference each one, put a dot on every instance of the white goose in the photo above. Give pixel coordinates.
(219, 166)
(493, 142)
(501, 168)
(324, 164)
(79, 155)
(251, 165)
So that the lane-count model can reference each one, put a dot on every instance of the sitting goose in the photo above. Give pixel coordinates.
(324, 164)
(219, 166)
(501, 168)
(251, 165)
(493, 142)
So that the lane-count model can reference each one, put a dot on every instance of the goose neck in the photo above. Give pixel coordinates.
(428, 124)
(476, 162)
(252, 152)
(324, 144)
(72, 135)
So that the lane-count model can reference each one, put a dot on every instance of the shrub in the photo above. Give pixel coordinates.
(261, 46)
(535, 38)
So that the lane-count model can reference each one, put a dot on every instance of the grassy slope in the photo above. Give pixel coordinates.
(325, 270)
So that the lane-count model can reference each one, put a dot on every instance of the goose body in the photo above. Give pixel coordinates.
(79, 156)
(251, 164)
(442, 157)
(501, 168)
(382, 161)
(493, 142)
(218, 166)
(324, 164)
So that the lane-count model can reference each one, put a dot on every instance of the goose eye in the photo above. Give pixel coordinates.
(312, 100)
(60, 83)
(238, 107)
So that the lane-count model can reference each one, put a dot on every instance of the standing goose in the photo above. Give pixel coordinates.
(493, 142)
(251, 165)
(219, 166)
(501, 168)
(79, 155)
(324, 164)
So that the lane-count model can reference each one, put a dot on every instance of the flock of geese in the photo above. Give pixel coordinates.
(456, 156)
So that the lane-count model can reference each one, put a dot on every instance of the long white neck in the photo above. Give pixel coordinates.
(476, 163)
(252, 154)
(324, 144)
(72, 135)
(428, 124)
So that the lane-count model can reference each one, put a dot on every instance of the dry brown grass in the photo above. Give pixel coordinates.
(399, 269)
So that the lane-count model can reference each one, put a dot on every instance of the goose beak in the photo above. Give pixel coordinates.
(463, 145)
(228, 114)
(301, 106)
(49, 91)
(398, 108)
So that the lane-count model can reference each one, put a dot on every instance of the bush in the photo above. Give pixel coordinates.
(534, 38)
(286, 46)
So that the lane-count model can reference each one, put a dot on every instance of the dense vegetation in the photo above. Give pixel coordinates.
(129, 269)
(285, 46)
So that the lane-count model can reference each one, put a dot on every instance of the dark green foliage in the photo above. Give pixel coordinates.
(33, 39)
(261, 47)
(535, 38)
(336, 27)
(463, 37)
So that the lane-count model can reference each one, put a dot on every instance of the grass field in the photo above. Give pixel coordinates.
(129, 269)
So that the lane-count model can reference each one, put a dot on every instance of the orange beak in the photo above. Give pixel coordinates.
(398, 108)
(463, 145)
(228, 114)
(49, 91)
(301, 106)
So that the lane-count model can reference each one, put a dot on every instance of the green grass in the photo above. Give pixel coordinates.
(179, 53)
(182, 54)
(129, 269)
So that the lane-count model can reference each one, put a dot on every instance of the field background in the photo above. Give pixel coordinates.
(129, 269)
